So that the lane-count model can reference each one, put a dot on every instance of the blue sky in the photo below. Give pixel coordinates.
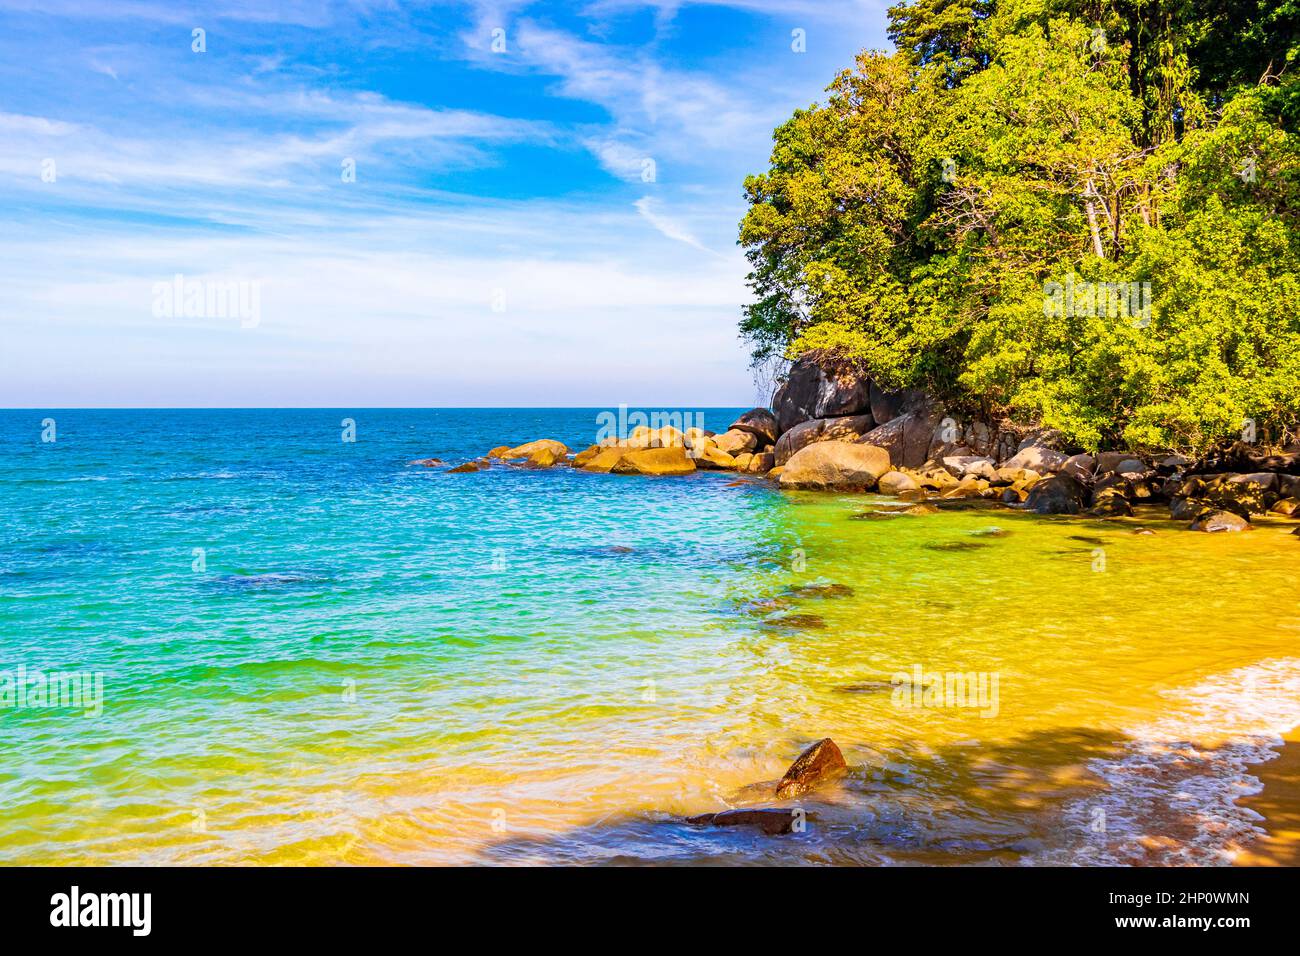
(552, 223)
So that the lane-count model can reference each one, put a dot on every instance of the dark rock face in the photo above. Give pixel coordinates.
(886, 406)
(1058, 495)
(760, 422)
(1111, 506)
(773, 821)
(812, 392)
(819, 764)
(845, 428)
(1185, 509)
(907, 438)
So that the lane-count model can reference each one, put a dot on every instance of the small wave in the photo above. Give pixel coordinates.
(1172, 793)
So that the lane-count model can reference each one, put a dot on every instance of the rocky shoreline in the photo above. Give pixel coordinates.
(837, 432)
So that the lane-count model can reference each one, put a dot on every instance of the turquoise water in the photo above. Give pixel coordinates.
(375, 662)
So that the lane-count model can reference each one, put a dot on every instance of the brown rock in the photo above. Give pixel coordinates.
(655, 461)
(760, 463)
(1287, 507)
(1215, 521)
(895, 483)
(759, 422)
(819, 764)
(811, 391)
(463, 469)
(586, 455)
(1058, 495)
(498, 451)
(559, 449)
(605, 460)
(543, 458)
(907, 438)
(1037, 458)
(837, 465)
(773, 821)
(845, 428)
(736, 442)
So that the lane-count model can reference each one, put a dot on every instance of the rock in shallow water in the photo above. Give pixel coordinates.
(1214, 521)
(836, 465)
(819, 764)
(1058, 495)
(773, 821)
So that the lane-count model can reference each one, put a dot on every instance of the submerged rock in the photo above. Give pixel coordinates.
(773, 821)
(427, 462)
(819, 764)
(802, 622)
(821, 591)
(465, 468)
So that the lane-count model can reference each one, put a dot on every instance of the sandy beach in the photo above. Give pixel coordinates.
(1279, 803)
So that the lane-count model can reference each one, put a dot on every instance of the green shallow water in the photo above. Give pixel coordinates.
(380, 663)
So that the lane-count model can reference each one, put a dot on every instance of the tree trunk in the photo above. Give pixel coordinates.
(1090, 191)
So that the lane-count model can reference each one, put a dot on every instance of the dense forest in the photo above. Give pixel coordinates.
(1081, 213)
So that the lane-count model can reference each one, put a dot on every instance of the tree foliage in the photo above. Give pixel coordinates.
(921, 222)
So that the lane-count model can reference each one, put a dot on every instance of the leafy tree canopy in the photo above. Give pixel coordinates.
(1077, 212)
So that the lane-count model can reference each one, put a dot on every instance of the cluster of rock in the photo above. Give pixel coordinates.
(820, 764)
(835, 430)
(746, 446)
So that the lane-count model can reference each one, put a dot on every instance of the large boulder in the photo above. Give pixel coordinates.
(604, 460)
(887, 405)
(811, 391)
(960, 466)
(839, 465)
(819, 764)
(1037, 458)
(557, 448)
(845, 428)
(759, 422)
(1057, 495)
(735, 442)
(896, 482)
(1215, 521)
(655, 461)
(907, 438)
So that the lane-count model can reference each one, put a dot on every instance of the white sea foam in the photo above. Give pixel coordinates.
(1171, 796)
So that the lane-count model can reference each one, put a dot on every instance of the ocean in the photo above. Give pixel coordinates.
(233, 636)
